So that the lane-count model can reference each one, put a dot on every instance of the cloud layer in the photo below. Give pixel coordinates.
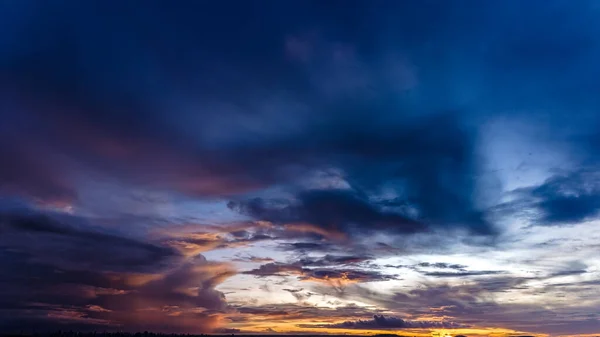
(300, 167)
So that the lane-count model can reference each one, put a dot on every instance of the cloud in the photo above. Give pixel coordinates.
(382, 322)
(335, 278)
(77, 277)
(442, 265)
(254, 259)
(570, 269)
(364, 138)
(275, 269)
(30, 173)
(299, 294)
(227, 330)
(562, 199)
(48, 298)
(308, 246)
(300, 312)
(480, 302)
(334, 260)
(65, 240)
(449, 270)
(568, 199)
(343, 211)
(88, 111)
(329, 209)
(464, 273)
(344, 276)
(191, 244)
(330, 275)
(193, 239)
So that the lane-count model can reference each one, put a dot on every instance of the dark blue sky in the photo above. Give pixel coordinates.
(198, 166)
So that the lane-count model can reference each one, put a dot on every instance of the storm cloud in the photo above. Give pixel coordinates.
(562, 199)
(75, 276)
(155, 159)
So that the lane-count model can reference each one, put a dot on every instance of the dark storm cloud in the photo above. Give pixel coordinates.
(333, 210)
(347, 211)
(58, 241)
(561, 199)
(31, 174)
(382, 322)
(225, 102)
(373, 138)
(568, 199)
(133, 104)
(91, 103)
(68, 92)
(41, 297)
(30, 281)
(61, 271)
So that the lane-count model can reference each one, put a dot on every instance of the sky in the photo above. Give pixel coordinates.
(334, 167)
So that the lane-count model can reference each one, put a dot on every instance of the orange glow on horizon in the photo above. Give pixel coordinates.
(292, 323)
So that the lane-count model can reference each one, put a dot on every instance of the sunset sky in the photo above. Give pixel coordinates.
(342, 167)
